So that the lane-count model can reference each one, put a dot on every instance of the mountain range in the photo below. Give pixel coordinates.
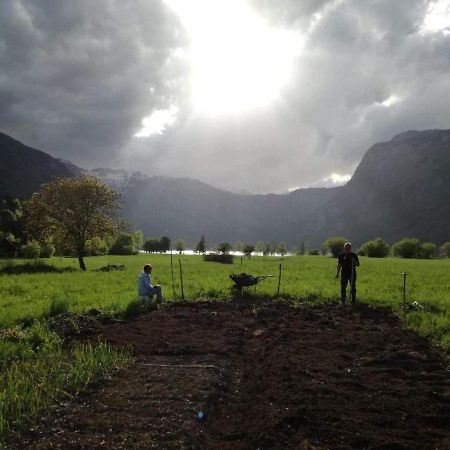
(400, 189)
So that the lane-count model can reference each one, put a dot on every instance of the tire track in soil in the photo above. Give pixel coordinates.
(266, 376)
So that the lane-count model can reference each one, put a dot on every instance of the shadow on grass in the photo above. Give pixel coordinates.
(10, 268)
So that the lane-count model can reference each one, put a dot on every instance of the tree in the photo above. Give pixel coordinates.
(76, 209)
(406, 248)
(11, 227)
(427, 250)
(179, 246)
(239, 246)
(224, 248)
(260, 246)
(164, 244)
(445, 249)
(376, 248)
(282, 248)
(201, 245)
(124, 245)
(267, 250)
(138, 238)
(335, 245)
(248, 249)
(152, 245)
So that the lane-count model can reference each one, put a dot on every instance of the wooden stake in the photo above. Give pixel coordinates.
(173, 278)
(404, 298)
(181, 279)
(279, 280)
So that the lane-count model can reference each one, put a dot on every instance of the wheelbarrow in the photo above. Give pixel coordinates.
(244, 280)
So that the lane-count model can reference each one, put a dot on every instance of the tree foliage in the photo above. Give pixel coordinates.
(179, 246)
(282, 248)
(157, 245)
(445, 249)
(427, 250)
(335, 245)
(31, 250)
(260, 246)
(406, 248)
(165, 243)
(224, 248)
(11, 227)
(201, 245)
(248, 249)
(124, 245)
(96, 247)
(377, 248)
(75, 209)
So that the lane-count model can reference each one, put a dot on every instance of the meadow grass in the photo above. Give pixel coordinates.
(36, 371)
(33, 295)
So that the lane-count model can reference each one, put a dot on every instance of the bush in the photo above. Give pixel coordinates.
(406, 248)
(335, 245)
(427, 250)
(445, 250)
(313, 252)
(123, 245)
(374, 249)
(222, 258)
(31, 250)
(96, 247)
(47, 249)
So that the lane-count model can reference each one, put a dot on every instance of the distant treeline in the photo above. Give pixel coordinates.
(14, 242)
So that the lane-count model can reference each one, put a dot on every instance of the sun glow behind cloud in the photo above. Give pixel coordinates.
(437, 18)
(157, 122)
(237, 61)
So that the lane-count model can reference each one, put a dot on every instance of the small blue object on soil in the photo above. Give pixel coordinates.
(200, 415)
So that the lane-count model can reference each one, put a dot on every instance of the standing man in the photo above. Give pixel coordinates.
(347, 263)
(145, 288)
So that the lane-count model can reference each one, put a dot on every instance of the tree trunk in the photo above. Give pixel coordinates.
(81, 262)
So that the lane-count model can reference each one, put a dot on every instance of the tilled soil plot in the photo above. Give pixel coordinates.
(266, 376)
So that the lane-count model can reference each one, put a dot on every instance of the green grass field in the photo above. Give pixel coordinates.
(28, 296)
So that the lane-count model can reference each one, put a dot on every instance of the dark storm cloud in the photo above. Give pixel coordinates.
(76, 76)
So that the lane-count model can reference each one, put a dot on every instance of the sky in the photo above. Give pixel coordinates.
(247, 95)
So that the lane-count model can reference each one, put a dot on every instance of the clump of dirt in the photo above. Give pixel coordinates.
(75, 326)
(263, 376)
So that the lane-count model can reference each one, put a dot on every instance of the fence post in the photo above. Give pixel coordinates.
(181, 279)
(404, 298)
(279, 280)
(173, 278)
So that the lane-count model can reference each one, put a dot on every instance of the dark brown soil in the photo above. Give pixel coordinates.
(266, 376)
